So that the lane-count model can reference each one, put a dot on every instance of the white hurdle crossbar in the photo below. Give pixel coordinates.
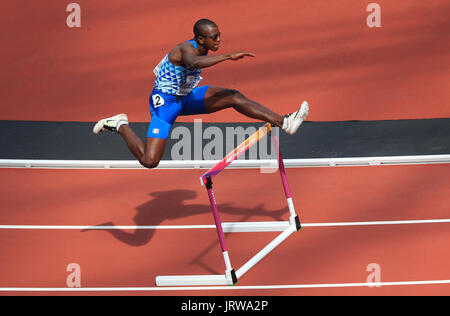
(230, 277)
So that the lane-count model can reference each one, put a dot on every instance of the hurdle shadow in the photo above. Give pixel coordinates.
(170, 205)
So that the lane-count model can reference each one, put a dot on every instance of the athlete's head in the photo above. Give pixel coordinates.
(207, 34)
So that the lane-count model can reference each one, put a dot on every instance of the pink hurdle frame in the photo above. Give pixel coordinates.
(206, 179)
(287, 227)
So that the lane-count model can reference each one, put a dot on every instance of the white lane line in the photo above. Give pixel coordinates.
(370, 223)
(221, 288)
(155, 227)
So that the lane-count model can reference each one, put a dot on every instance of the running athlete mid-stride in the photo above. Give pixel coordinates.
(176, 92)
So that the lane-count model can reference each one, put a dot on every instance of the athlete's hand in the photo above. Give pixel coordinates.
(240, 55)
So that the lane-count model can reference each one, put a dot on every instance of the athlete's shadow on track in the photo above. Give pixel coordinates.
(170, 205)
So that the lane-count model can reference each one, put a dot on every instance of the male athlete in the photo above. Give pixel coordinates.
(176, 92)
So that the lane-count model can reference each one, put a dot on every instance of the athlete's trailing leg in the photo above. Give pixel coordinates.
(148, 153)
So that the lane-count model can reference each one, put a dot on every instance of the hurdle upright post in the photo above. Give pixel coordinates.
(294, 219)
(229, 272)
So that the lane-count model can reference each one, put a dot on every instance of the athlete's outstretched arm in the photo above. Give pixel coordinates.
(193, 61)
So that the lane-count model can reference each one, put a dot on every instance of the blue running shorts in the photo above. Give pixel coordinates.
(165, 108)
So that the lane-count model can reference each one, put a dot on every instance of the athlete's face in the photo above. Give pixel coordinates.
(211, 36)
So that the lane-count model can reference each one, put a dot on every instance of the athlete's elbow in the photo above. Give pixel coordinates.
(193, 65)
(196, 63)
(190, 63)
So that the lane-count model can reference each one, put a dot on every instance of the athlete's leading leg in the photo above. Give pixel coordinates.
(217, 99)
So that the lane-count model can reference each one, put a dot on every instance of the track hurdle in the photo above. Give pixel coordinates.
(231, 276)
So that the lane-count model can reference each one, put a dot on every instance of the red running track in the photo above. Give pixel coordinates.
(38, 258)
(321, 51)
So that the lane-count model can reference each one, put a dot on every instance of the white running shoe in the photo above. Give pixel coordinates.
(110, 123)
(293, 121)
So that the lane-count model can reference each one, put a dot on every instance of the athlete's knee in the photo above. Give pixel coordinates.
(236, 96)
(149, 163)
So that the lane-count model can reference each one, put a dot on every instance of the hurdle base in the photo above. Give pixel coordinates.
(231, 277)
(189, 280)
